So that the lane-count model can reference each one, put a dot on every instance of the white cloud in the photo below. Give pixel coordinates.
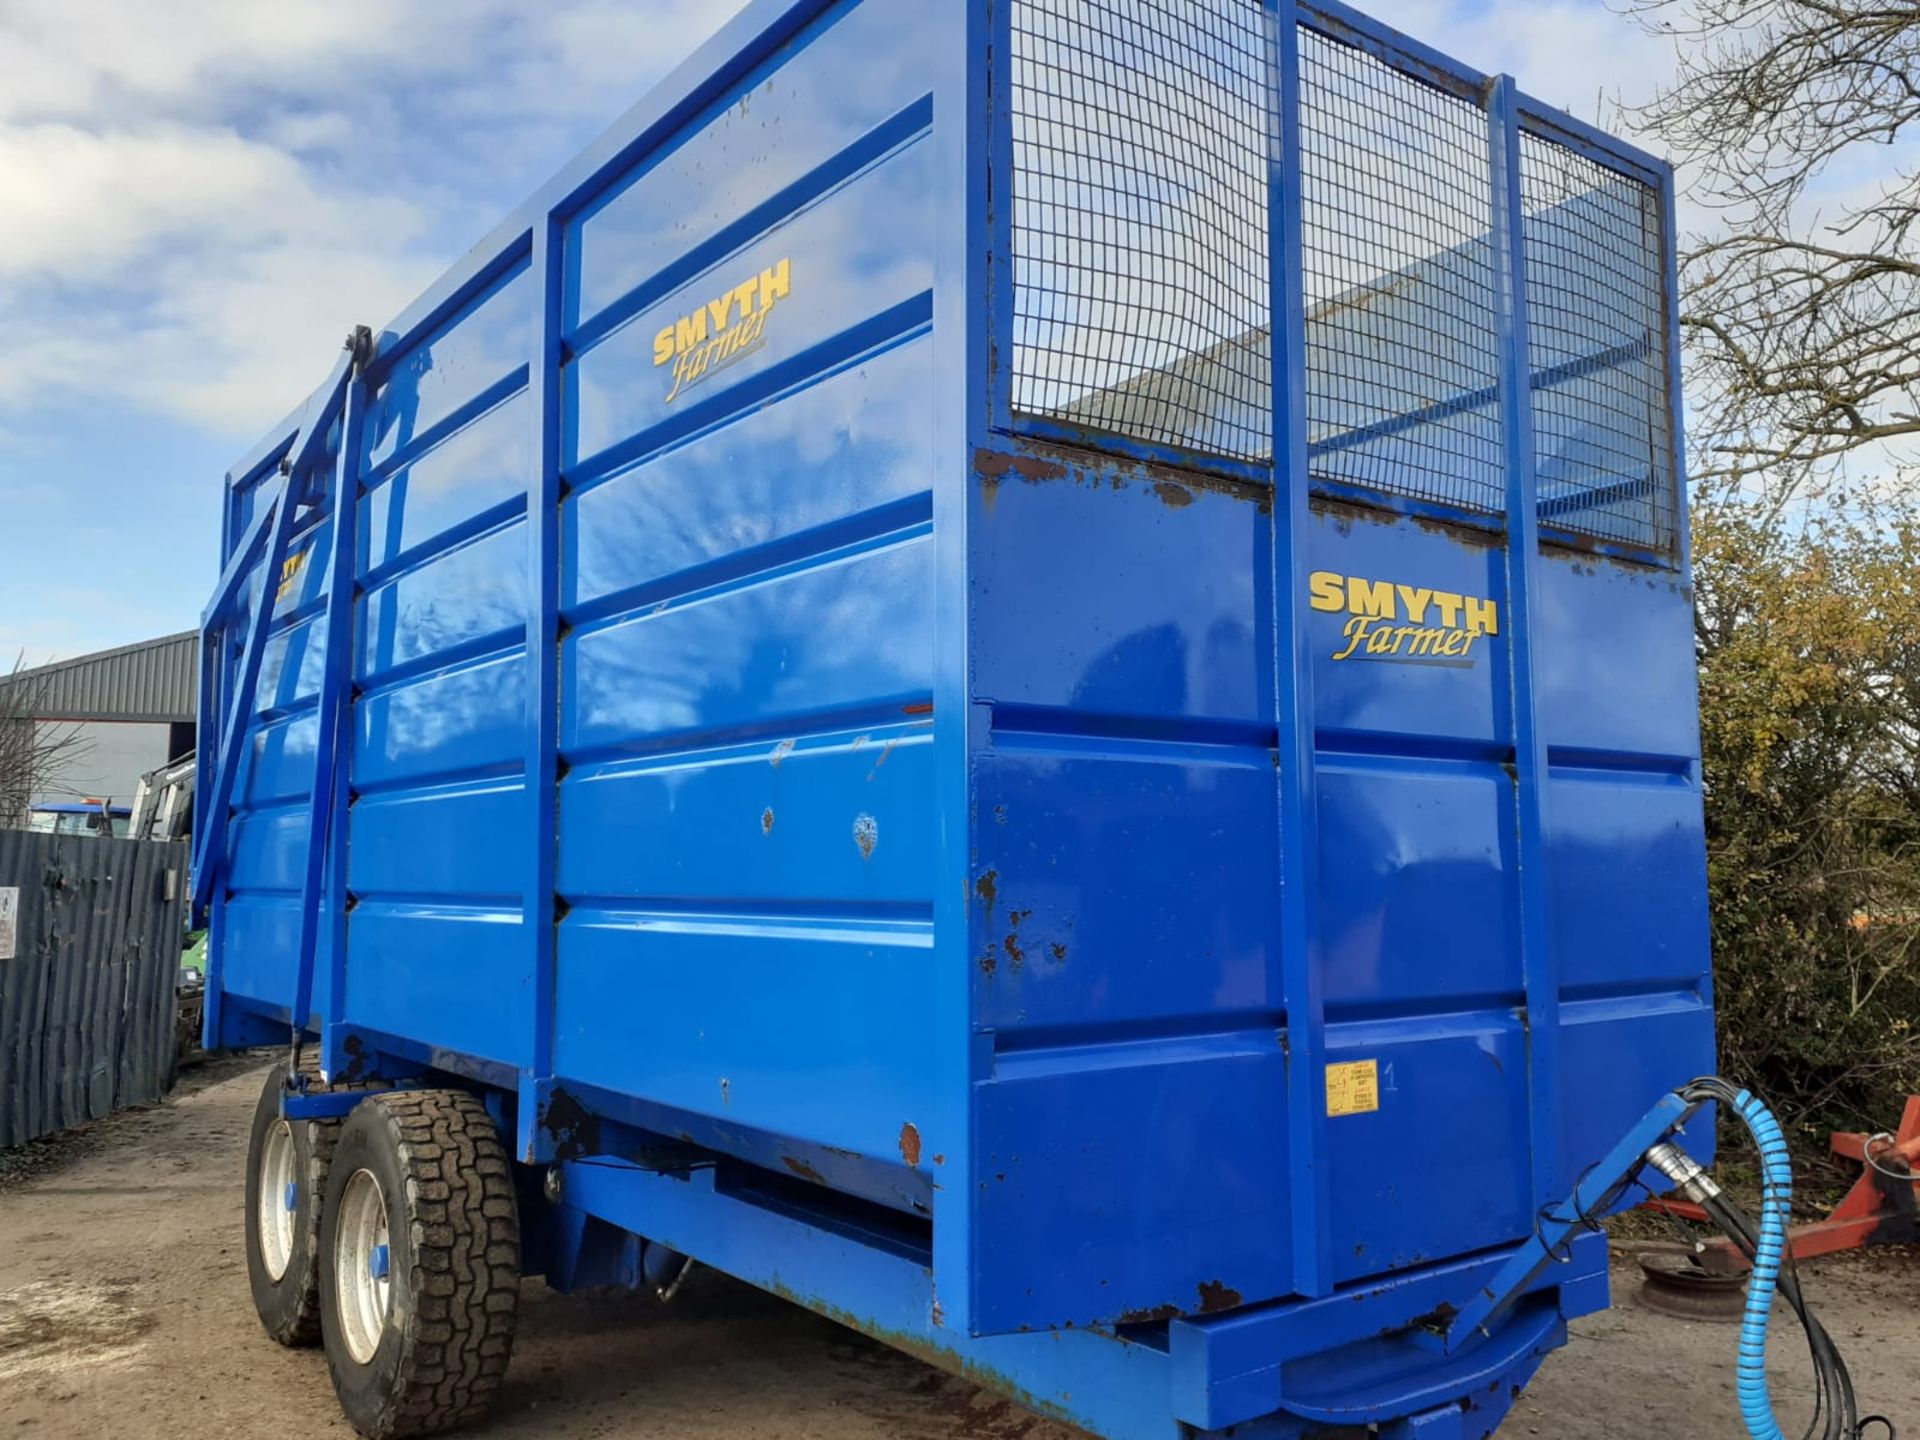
(82, 206)
(201, 197)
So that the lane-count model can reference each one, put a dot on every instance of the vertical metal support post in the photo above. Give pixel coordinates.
(1676, 388)
(323, 890)
(538, 910)
(972, 258)
(204, 730)
(1301, 962)
(1539, 968)
(210, 846)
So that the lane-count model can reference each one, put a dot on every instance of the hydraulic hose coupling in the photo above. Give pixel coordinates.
(1684, 1171)
(1776, 1172)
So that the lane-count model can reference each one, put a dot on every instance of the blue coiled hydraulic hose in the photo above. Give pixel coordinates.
(1776, 1178)
(1836, 1414)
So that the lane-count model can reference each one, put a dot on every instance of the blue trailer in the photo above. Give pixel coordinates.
(1021, 669)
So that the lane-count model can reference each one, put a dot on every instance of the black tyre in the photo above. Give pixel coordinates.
(286, 1180)
(420, 1273)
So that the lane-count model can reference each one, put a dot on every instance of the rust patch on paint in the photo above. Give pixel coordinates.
(1215, 1297)
(994, 466)
(803, 1170)
(910, 1143)
(1173, 496)
(1014, 952)
(989, 963)
(988, 888)
(1158, 1315)
(781, 751)
(866, 834)
(766, 821)
(1059, 952)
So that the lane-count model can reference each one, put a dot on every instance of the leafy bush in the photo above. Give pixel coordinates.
(1809, 640)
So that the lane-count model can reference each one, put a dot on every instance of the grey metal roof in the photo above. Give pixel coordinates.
(154, 681)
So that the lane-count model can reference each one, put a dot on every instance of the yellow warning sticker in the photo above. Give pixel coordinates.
(1353, 1088)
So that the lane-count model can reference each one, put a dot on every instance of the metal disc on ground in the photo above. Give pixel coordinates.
(1676, 1285)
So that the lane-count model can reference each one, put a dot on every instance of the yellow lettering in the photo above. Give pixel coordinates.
(1328, 590)
(743, 296)
(663, 348)
(1449, 604)
(1416, 602)
(1483, 617)
(691, 331)
(1370, 597)
(719, 309)
(1424, 641)
(1356, 631)
(1382, 641)
(776, 284)
(1456, 642)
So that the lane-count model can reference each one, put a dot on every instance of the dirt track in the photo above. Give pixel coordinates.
(124, 1314)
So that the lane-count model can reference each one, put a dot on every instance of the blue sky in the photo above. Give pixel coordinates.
(203, 196)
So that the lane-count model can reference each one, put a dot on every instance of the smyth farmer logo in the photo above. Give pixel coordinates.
(1412, 624)
(723, 332)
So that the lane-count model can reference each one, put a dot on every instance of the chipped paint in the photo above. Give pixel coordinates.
(1040, 461)
(910, 1143)
(803, 1169)
(866, 834)
(781, 751)
(766, 821)
(988, 887)
(1158, 1315)
(1215, 1297)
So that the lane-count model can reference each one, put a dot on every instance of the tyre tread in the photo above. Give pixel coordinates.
(465, 1240)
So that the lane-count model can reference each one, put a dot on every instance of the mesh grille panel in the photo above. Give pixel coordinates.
(1402, 352)
(1140, 280)
(1597, 337)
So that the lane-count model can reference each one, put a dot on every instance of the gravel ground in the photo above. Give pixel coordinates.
(124, 1313)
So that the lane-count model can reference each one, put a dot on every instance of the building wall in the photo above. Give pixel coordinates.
(114, 758)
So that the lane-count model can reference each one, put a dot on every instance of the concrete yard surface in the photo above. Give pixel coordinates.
(124, 1312)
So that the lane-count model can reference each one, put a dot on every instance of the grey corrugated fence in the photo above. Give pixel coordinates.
(89, 958)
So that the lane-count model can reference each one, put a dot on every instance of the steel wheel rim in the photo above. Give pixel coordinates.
(275, 1204)
(363, 1282)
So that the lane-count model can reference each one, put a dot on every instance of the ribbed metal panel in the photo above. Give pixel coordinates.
(87, 999)
(152, 682)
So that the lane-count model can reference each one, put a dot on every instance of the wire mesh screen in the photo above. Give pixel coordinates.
(1402, 352)
(1140, 275)
(1597, 338)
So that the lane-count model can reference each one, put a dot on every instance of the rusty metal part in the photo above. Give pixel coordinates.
(1676, 1285)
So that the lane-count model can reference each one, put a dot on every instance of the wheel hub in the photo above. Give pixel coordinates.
(278, 1201)
(363, 1282)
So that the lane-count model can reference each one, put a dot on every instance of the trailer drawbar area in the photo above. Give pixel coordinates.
(1021, 669)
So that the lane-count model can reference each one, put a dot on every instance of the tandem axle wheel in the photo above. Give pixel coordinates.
(391, 1236)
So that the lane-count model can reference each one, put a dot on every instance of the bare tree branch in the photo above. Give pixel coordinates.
(1803, 331)
(34, 752)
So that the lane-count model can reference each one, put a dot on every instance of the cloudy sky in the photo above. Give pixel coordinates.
(202, 196)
